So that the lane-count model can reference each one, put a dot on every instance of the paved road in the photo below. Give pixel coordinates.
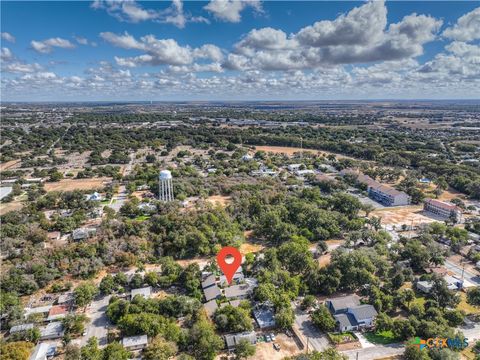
(118, 199)
(376, 352)
(468, 275)
(472, 333)
(316, 339)
(98, 321)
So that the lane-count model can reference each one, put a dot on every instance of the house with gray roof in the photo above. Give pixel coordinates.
(350, 314)
(212, 292)
(210, 307)
(241, 291)
(53, 330)
(133, 343)
(20, 328)
(265, 317)
(232, 340)
(210, 280)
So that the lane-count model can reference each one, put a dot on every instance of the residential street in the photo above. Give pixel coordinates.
(468, 275)
(376, 352)
(98, 325)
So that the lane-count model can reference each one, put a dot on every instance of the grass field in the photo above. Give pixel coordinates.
(77, 184)
(381, 337)
(463, 305)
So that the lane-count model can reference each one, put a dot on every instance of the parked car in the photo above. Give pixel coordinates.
(268, 338)
(276, 346)
(272, 336)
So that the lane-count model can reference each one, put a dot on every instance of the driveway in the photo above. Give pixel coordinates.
(98, 325)
(312, 337)
(363, 340)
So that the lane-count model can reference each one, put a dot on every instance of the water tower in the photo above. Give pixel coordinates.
(165, 186)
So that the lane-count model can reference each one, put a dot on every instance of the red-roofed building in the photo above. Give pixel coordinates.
(57, 312)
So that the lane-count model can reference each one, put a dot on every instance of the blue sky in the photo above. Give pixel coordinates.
(233, 50)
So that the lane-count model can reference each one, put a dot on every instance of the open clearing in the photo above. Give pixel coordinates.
(11, 206)
(247, 248)
(290, 151)
(9, 164)
(408, 215)
(77, 184)
(219, 200)
(288, 347)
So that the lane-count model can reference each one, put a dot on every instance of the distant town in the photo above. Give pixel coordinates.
(358, 224)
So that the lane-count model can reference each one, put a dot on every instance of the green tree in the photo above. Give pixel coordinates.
(17, 350)
(244, 349)
(107, 285)
(73, 352)
(233, 319)
(323, 319)
(205, 342)
(308, 301)
(91, 351)
(115, 351)
(160, 349)
(473, 296)
(284, 317)
(84, 293)
(413, 352)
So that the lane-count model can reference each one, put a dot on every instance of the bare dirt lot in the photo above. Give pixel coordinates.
(11, 206)
(219, 200)
(247, 248)
(265, 351)
(77, 184)
(9, 164)
(407, 215)
(290, 151)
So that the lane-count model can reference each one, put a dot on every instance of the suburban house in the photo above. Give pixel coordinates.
(233, 339)
(212, 292)
(424, 286)
(94, 197)
(350, 314)
(54, 330)
(83, 233)
(443, 209)
(133, 343)
(144, 292)
(265, 317)
(241, 291)
(20, 328)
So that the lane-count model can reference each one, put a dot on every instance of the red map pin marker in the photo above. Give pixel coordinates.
(229, 269)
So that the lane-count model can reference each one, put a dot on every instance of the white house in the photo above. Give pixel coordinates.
(133, 343)
(144, 292)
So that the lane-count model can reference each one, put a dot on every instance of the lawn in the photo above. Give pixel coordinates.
(142, 217)
(381, 337)
(463, 305)
(341, 338)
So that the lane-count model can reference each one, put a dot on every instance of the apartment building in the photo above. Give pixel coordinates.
(443, 209)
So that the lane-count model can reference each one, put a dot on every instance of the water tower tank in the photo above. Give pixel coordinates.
(165, 174)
